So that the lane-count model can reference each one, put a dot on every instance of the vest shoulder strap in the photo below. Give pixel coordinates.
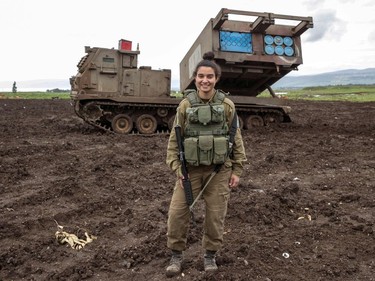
(220, 96)
(192, 97)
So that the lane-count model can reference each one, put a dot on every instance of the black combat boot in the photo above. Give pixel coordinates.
(209, 261)
(175, 264)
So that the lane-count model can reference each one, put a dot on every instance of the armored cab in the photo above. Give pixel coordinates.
(254, 51)
(112, 93)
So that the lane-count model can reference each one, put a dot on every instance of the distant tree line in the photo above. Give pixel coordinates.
(56, 90)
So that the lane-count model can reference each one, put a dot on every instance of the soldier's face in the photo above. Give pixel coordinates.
(205, 80)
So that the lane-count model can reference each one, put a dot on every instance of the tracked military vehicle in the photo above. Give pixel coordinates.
(111, 92)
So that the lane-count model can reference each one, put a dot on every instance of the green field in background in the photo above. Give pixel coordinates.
(352, 93)
(35, 95)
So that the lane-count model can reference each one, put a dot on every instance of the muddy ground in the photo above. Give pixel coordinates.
(54, 168)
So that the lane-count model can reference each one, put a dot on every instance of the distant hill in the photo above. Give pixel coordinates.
(36, 85)
(342, 77)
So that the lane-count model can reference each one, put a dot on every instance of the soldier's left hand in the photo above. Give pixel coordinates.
(234, 181)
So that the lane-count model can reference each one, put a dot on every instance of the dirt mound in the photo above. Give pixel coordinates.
(304, 210)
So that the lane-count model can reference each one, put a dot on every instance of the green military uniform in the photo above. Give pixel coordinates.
(217, 192)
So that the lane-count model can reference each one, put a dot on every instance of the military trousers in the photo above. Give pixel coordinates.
(215, 197)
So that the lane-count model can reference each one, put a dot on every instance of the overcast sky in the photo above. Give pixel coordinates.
(45, 39)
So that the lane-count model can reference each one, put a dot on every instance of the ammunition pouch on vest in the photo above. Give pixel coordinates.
(206, 132)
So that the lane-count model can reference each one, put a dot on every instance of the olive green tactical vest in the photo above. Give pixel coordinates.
(206, 132)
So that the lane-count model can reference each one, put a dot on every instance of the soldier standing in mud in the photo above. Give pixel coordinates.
(205, 117)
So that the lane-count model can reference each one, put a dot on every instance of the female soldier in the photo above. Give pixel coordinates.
(205, 116)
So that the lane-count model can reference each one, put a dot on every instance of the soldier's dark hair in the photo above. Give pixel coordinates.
(208, 61)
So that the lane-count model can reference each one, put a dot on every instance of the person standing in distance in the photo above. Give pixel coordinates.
(205, 116)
